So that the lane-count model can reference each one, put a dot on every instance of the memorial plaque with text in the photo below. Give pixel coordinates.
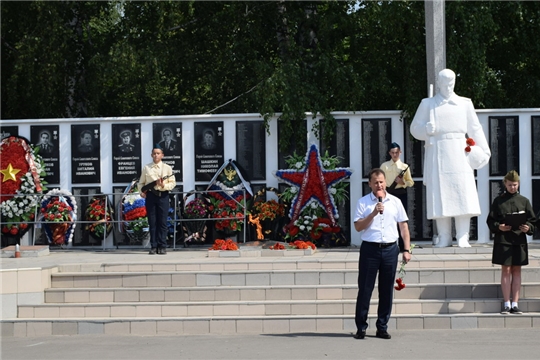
(7, 131)
(535, 202)
(344, 219)
(296, 145)
(126, 145)
(504, 144)
(414, 152)
(118, 237)
(339, 143)
(208, 149)
(535, 130)
(375, 142)
(251, 148)
(420, 227)
(81, 236)
(169, 137)
(85, 154)
(46, 138)
(496, 188)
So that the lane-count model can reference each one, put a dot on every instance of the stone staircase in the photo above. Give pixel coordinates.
(448, 288)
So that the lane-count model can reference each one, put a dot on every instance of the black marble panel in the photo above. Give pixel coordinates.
(420, 227)
(296, 145)
(504, 144)
(208, 149)
(47, 139)
(126, 145)
(7, 131)
(85, 154)
(535, 153)
(535, 202)
(251, 149)
(83, 195)
(376, 139)
(169, 137)
(414, 152)
(339, 143)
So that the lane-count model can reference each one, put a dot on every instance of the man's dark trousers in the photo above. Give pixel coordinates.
(373, 260)
(157, 208)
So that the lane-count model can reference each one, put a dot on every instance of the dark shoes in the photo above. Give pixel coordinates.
(506, 310)
(380, 334)
(515, 310)
(383, 334)
(152, 251)
(162, 251)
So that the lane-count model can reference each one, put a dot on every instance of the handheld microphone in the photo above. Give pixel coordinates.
(380, 200)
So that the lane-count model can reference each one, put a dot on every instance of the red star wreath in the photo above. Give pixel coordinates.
(313, 183)
(21, 178)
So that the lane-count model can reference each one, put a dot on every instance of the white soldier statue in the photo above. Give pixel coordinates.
(455, 145)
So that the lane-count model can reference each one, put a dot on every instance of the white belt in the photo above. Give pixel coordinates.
(451, 136)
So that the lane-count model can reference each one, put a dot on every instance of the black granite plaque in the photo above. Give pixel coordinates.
(496, 188)
(251, 149)
(118, 237)
(414, 152)
(375, 140)
(46, 138)
(126, 145)
(535, 202)
(83, 195)
(296, 145)
(7, 131)
(339, 143)
(535, 153)
(169, 137)
(208, 149)
(420, 227)
(504, 144)
(85, 152)
(344, 219)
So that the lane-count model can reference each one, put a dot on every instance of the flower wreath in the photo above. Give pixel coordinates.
(100, 211)
(22, 181)
(133, 211)
(58, 214)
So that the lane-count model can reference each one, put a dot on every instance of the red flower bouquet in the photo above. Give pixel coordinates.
(221, 244)
(470, 142)
(100, 212)
(400, 283)
(232, 213)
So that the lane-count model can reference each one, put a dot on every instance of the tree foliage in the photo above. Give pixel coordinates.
(129, 58)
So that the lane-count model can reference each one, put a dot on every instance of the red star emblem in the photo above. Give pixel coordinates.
(313, 183)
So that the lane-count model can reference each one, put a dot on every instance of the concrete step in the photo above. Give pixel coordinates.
(273, 277)
(258, 324)
(263, 308)
(283, 292)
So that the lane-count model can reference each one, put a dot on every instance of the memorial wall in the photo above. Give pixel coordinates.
(103, 155)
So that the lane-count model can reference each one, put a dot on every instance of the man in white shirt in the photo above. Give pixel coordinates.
(157, 199)
(377, 217)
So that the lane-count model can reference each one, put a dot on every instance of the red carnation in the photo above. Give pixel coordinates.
(470, 142)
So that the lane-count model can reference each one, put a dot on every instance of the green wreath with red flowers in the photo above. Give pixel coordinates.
(21, 176)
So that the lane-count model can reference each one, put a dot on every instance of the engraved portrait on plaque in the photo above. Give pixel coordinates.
(169, 137)
(208, 149)
(85, 154)
(126, 145)
(46, 139)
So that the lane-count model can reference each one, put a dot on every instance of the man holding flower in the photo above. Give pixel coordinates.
(157, 199)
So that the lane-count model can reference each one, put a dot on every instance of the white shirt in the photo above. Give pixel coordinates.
(383, 228)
